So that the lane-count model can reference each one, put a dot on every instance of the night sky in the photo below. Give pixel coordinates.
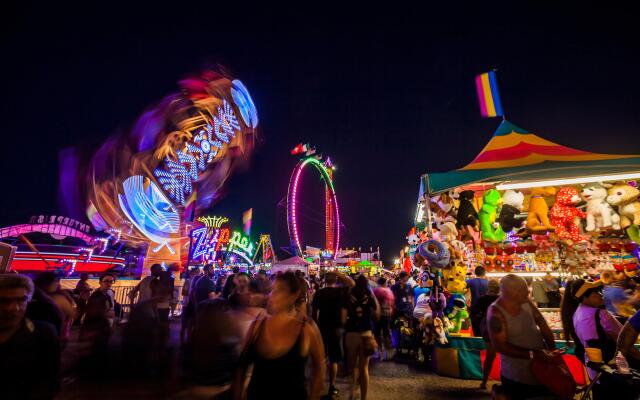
(387, 93)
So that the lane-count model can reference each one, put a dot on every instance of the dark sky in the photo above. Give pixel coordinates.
(387, 92)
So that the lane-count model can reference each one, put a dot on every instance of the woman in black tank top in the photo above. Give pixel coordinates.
(278, 347)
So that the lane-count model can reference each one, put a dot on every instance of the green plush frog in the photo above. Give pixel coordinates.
(491, 232)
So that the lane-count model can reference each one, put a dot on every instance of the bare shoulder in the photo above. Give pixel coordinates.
(495, 319)
(311, 328)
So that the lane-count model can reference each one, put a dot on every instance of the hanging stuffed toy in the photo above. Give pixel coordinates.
(455, 278)
(633, 231)
(600, 214)
(440, 333)
(487, 216)
(448, 232)
(412, 241)
(625, 197)
(436, 253)
(537, 218)
(458, 315)
(564, 213)
(437, 298)
(467, 214)
(512, 204)
(407, 265)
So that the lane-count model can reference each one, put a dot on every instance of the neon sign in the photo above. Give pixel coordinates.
(242, 242)
(208, 241)
(213, 222)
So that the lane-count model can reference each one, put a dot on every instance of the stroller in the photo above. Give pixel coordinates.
(407, 337)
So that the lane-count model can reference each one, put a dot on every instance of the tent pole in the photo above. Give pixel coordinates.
(427, 206)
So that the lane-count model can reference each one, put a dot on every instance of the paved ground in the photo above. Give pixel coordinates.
(396, 381)
(389, 380)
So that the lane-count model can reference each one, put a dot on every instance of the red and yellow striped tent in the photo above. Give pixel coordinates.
(514, 154)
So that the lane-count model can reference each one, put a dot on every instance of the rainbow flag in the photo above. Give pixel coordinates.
(247, 216)
(488, 96)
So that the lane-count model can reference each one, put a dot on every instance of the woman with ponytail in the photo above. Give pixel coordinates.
(586, 321)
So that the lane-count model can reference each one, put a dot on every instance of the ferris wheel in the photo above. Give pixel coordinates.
(332, 215)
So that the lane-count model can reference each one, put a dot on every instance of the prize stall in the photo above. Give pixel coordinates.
(527, 206)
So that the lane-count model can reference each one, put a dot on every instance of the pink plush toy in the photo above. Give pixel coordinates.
(564, 212)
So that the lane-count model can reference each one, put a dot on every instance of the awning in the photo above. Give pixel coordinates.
(514, 154)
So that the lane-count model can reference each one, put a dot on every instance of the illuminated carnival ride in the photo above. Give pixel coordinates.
(150, 183)
(64, 245)
(332, 216)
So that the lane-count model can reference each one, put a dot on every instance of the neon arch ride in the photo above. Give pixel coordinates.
(332, 216)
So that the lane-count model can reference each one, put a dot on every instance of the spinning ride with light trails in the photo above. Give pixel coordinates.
(332, 216)
(150, 183)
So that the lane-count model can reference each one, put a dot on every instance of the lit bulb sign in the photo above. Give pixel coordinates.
(208, 241)
(213, 222)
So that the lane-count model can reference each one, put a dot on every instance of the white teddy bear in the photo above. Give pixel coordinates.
(600, 214)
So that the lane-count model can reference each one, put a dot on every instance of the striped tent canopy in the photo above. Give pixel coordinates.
(513, 154)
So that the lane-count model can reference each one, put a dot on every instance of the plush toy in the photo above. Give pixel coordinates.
(455, 278)
(436, 253)
(427, 326)
(458, 315)
(458, 250)
(448, 232)
(487, 216)
(446, 202)
(467, 214)
(633, 231)
(412, 241)
(512, 204)
(437, 298)
(625, 197)
(564, 213)
(537, 218)
(440, 332)
(600, 214)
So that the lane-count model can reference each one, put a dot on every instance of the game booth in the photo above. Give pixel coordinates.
(294, 263)
(526, 206)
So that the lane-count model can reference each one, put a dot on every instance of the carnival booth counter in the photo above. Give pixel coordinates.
(526, 206)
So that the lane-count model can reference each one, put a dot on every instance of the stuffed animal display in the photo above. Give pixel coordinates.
(600, 214)
(512, 204)
(625, 197)
(467, 214)
(564, 213)
(538, 219)
(488, 215)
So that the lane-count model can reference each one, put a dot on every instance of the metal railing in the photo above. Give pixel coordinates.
(121, 296)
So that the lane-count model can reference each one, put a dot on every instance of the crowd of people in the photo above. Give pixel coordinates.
(506, 314)
(253, 335)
